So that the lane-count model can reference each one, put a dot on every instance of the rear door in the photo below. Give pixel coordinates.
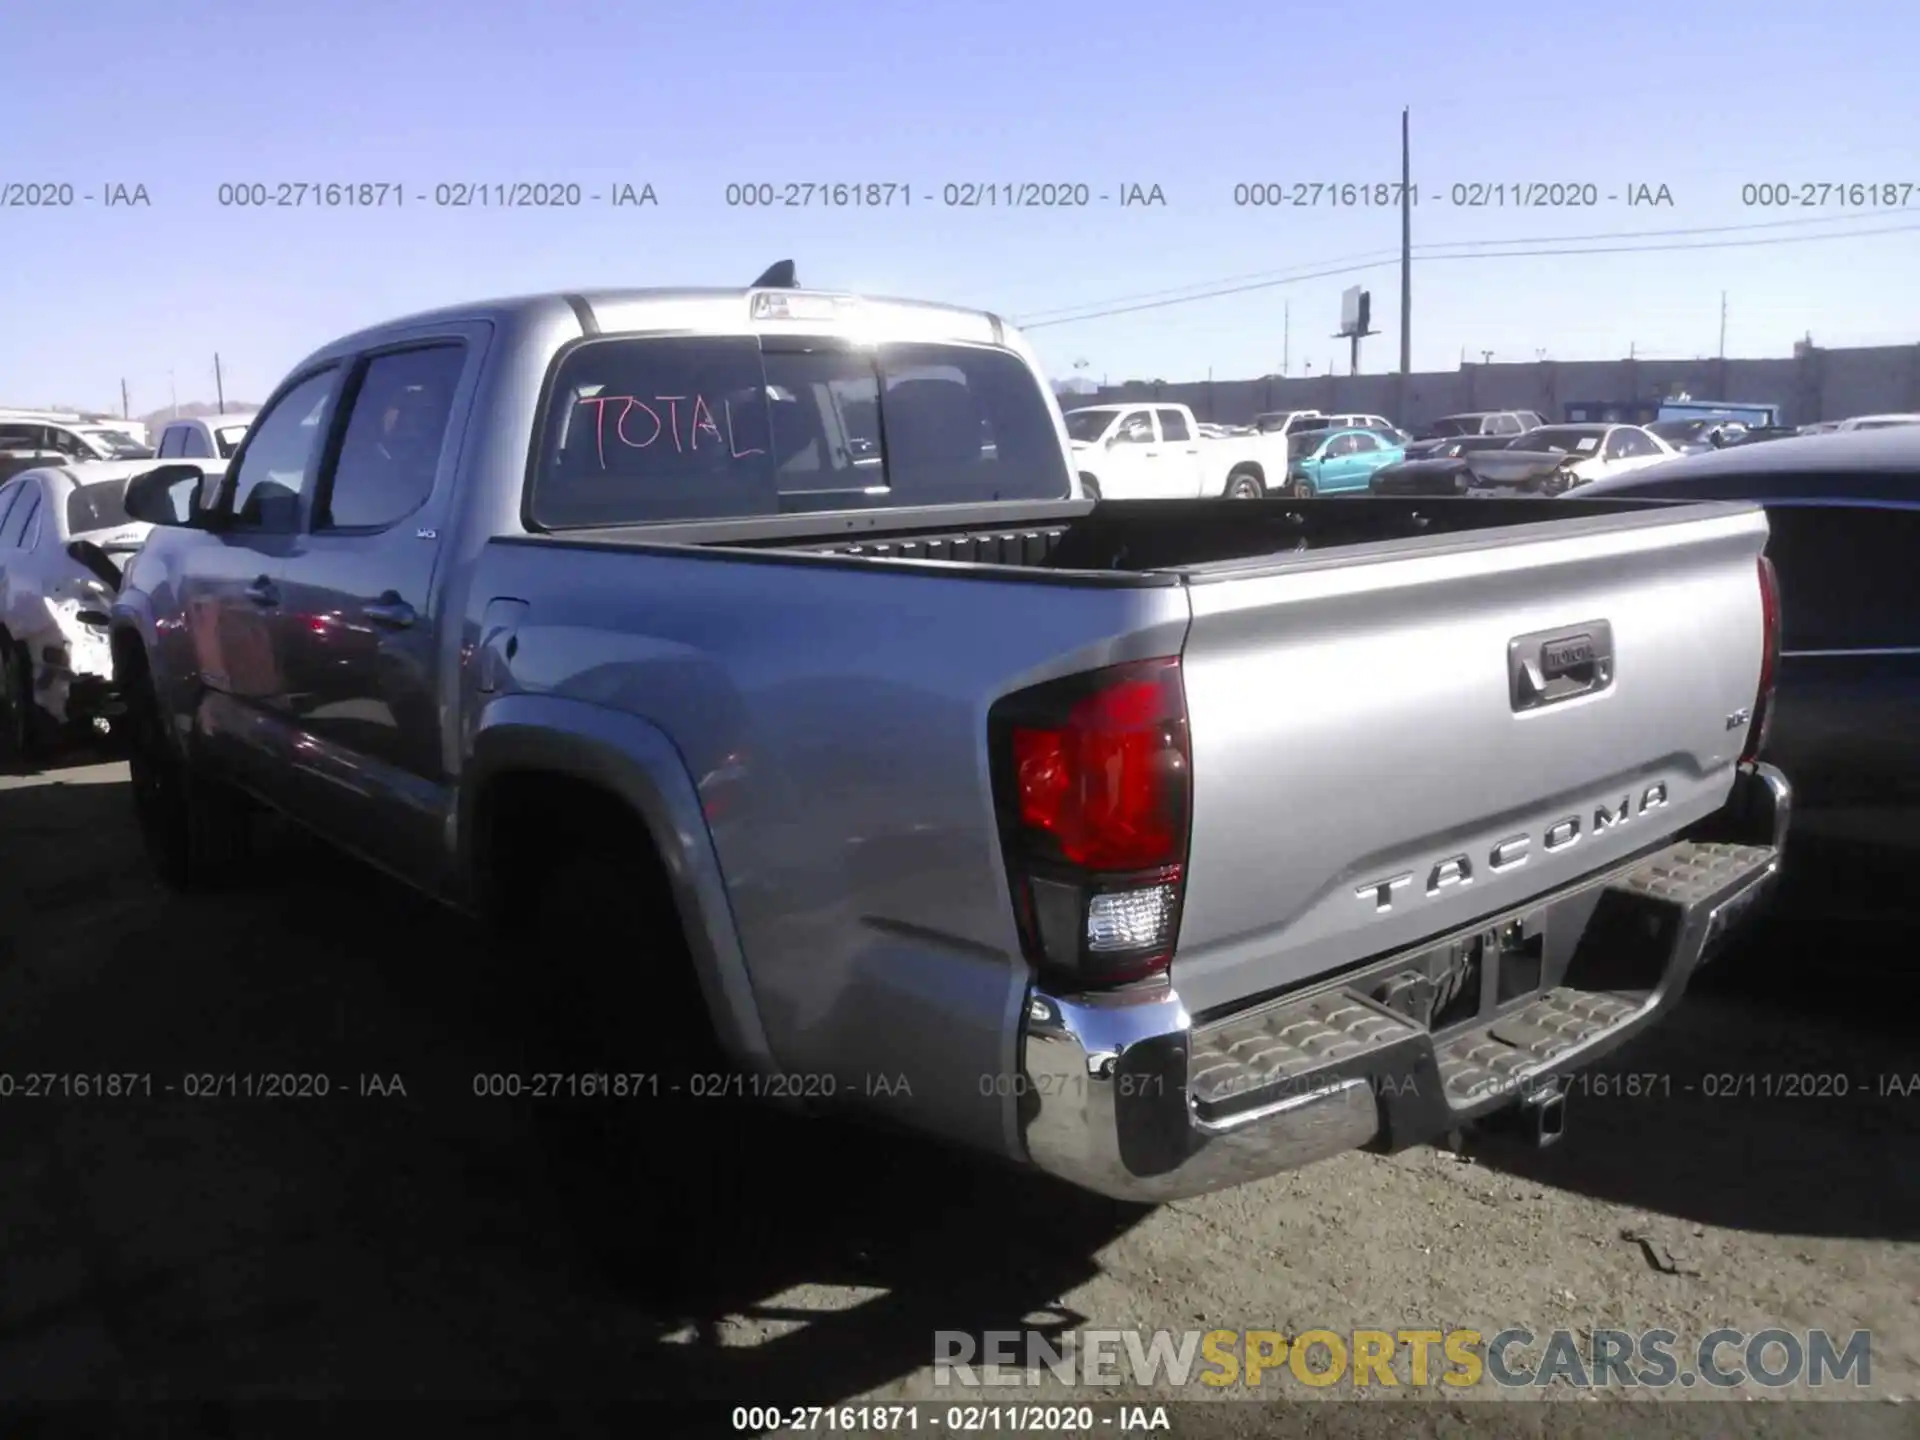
(1132, 467)
(1637, 449)
(1367, 457)
(1369, 770)
(19, 504)
(1181, 453)
(1337, 463)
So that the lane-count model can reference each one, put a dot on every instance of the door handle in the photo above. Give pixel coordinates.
(391, 612)
(1152, 453)
(263, 592)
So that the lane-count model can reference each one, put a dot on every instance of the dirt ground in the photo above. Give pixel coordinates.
(447, 1248)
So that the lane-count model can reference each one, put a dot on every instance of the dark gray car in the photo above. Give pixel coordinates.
(1844, 512)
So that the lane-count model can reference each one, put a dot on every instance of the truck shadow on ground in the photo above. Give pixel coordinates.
(1782, 1095)
(401, 1236)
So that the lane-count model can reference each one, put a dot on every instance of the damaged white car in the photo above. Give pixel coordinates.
(64, 536)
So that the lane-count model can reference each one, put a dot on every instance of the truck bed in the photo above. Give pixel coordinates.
(1349, 677)
(1151, 541)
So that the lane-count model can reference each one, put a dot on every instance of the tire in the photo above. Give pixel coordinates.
(1245, 485)
(1089, 487)
(21, 731)
(1303, 489)
(621, 994)
(198, 834)
(609, 990)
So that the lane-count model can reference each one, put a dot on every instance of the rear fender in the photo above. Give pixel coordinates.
(634, 761)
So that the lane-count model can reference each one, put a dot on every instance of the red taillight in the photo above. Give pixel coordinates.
(1762, 720)
(1092, 787)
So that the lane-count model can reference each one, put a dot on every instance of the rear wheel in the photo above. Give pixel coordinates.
(620, 993)
(197, 833)
(1244, 485)
(1303, 489)
(649, 1149)
(20, 728)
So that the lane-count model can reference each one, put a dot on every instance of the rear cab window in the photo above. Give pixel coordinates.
(659, 429)
(99, 506)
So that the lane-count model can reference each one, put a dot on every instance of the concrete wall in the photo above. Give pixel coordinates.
(1814, 385)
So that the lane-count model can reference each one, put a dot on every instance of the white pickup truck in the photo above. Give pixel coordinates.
(1157, 452)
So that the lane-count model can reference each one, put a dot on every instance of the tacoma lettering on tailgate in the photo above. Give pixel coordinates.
(1455, 871)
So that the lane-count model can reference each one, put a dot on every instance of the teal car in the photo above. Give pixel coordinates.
(1339, 462)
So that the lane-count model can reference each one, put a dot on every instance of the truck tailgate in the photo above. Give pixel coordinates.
(1367, 772)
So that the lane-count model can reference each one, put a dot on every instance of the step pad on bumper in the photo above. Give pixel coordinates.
(1495, 1059)
(1691, 872)
(1290, 1047)
(1267, 1049)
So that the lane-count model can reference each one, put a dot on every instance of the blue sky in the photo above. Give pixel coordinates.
(1700, 98)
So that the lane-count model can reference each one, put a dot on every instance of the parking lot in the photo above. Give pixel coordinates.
(401, 1236)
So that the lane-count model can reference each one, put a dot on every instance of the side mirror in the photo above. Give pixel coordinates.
(1113, 440)
(173, 495)
(96, 561)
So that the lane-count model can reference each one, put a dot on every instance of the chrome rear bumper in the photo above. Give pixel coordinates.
(1123, 1094)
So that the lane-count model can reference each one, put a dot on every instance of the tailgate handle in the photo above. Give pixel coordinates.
(1548, 666)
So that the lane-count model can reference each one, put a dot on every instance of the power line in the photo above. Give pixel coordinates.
(1274, 276)
(1440, 245)
(1375, 264)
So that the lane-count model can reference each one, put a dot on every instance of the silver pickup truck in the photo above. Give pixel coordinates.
(756, 641)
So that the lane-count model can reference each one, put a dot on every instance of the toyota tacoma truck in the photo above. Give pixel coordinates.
(753, 645)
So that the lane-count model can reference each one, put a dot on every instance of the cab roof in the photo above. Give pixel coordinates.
(694, 309)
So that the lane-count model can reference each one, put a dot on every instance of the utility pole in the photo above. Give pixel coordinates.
(1486, 357)
(126, 410)
(1406, 247)
(219, 384)
(1723, 324)
(173, 391)
(1286, 338)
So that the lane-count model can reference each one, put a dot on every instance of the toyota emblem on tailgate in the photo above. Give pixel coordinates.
(1549, 666)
